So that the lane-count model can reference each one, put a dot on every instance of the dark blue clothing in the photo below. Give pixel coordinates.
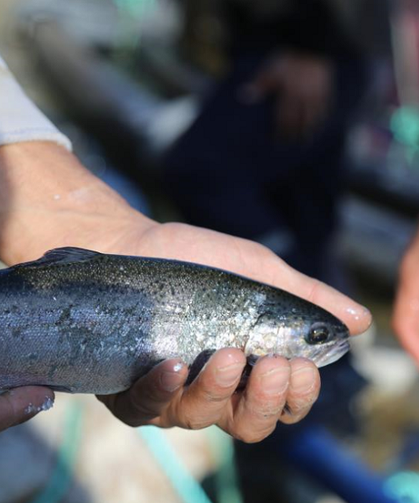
(229, 173)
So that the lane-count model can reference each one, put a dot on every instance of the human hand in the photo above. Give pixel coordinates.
(406, 307)
(302, 86)
(21, 404)
(82, 211)
(160, 398)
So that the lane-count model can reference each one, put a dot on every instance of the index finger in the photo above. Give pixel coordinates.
(357, 318)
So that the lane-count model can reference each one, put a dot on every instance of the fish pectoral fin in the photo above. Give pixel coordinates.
(63, 255)
(205, 355)
(198, 364)
(250, 363)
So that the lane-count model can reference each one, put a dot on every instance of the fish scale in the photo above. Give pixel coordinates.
(85, 322)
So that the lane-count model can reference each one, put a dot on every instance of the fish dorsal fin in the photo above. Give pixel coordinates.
(66, 255)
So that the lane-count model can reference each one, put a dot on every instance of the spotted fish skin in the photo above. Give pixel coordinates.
(85, 322)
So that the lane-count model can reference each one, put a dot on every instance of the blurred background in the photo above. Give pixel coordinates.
(293, 123)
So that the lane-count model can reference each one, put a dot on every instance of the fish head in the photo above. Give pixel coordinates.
(305, 331)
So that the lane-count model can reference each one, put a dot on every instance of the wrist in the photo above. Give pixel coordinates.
(48, 199)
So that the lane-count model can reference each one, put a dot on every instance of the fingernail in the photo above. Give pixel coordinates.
(359, 312)
(275, 381)
(172, 380)
(46, 405)
(303, 380)
(227, 376)
(361, 318)
(30, 409)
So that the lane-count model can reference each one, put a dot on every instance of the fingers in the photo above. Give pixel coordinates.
(277, 273)
(277, 389)
(146, 401)
(406, 308)
(260, 405)
(263, 265)
(356, 317)
(21, 404)
(207, 398)
(160, 397)
(303, 390)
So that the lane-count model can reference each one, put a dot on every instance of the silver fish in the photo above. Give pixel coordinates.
(85, 322)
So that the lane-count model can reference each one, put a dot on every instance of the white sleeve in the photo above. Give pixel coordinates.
(20, 119)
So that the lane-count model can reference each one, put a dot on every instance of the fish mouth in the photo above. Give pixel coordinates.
(333, 354)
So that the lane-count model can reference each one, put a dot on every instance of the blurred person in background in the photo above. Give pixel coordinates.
(48, 199)
(263, 161)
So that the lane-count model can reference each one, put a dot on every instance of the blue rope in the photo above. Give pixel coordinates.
(185, 485)
(187, 488)
(403, 486)
(226, 477)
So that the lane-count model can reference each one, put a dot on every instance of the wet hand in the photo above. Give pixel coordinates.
(160, 397)
(277, 390)
(82, 211)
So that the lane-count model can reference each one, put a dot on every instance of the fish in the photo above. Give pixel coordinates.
(81, 321)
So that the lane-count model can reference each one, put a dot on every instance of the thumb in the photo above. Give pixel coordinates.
(149, 396)
(21, 404)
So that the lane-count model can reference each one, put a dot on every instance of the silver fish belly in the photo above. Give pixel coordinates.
(86, 322)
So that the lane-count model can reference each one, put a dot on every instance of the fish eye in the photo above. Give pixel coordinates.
(318, 333)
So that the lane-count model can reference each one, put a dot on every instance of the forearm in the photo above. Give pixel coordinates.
(48, 199)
